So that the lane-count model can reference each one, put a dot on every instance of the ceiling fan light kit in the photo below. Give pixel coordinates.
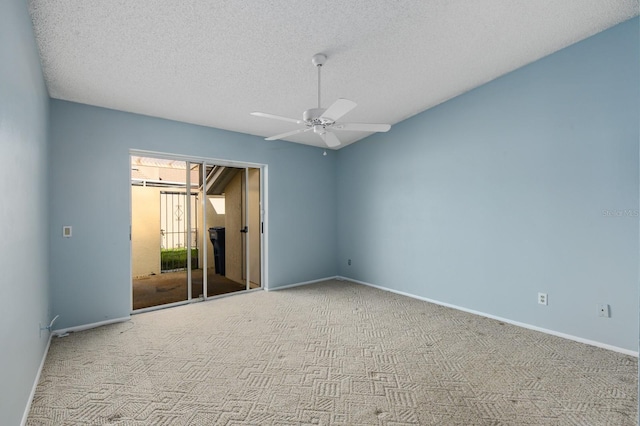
(324, 122)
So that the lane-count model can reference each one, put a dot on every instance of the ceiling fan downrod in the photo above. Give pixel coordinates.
(318, 60)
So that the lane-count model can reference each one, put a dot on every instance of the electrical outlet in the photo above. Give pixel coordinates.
(349, 262)
(542, 299)
(603, 310)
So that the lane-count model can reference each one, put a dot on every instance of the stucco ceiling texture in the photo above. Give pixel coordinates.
(213, 62)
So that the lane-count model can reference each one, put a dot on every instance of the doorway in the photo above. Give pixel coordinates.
(196, 230)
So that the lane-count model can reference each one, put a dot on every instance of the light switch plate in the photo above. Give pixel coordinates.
(66, 231)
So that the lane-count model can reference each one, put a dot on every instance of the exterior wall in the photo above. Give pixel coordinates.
(145, 231)
(254, 225)
(233, 224)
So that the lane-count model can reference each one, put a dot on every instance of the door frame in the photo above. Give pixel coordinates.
(264, 215)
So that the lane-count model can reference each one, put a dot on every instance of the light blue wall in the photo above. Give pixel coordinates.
(24, 287)
(494, 196)
(90, 272)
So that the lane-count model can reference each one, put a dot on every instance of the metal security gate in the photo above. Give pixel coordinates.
(174, 233)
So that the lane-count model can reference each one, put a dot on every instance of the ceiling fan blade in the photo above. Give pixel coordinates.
(284, 135)
(338, 109)
(277, 117)
(362, 127)
(330, 139)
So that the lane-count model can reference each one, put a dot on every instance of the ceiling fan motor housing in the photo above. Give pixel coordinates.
(313, 117)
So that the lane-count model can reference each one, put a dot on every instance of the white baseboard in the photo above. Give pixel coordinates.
(506, 320)
(25, 415)
(303, 283)
(88, 326)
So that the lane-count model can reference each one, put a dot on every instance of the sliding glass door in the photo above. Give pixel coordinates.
(196, 230)
(233, 218)
(161, 236)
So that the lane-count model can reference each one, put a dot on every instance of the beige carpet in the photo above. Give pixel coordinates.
(330, 353)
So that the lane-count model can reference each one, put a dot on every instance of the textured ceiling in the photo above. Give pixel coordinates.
(213, 62)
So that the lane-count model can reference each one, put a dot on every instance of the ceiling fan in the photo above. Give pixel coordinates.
(322, 121)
